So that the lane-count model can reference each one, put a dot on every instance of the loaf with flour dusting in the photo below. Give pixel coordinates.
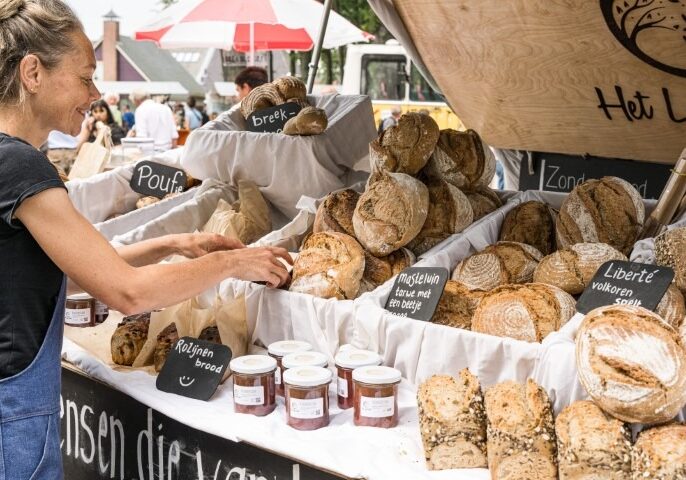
(660, 453)
(335, 213)
(670, 251)
(457, 305)
(532, 223)
(672, 307)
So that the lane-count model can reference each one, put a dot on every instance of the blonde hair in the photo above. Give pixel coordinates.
(39, 27)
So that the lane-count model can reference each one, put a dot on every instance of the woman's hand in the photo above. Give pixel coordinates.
(261, 264)
(194, 245)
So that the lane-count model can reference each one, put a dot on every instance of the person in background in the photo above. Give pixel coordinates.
(180, 117)
(249, 78)
(112, 100)
(154, 120)
(203, 112)
(391, 121)
(100, 112)
(128, 118)
(192, 114)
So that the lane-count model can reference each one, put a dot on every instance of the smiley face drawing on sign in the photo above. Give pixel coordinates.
(186, 381)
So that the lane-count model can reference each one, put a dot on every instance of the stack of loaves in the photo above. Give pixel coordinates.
(426, 185)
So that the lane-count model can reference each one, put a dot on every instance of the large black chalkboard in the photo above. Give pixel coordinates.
(416, 292)
(157, 180)
(272, 119)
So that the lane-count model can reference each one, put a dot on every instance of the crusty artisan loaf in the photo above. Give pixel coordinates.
(573, 267)
(498, 264)
(290, 88)
(452, 422)
(335, 213)
(527, 312)
(210, 334)
(462, 159)
(532, 223)
(672, 308)
(129, 337)
(457, 305)
(262, 96)
(632, 363)
(165, 342)
(330, 265)
(308, 121)
(660, 453)
(592, 444)
(609, 210)
(377, 270)
(670, 251)
(391, 212)
(521, 432)
(483, 199)
(449, 212)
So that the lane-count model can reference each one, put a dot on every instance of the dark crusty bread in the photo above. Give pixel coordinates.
(670, 251)
(457, 305)
(165, 342)
(335, 213)
(262, 96)
(129, 337)
(532, 223)
(377, 270)
(210, 334)
(290, 88)
(483, 199)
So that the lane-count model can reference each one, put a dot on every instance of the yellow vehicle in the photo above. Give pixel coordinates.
(386, 73)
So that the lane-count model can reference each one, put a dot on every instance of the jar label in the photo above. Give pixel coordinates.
(377, 407)
(101, 308)
(342, 387)
(77, 316)
(248, 395)
(277, 376)
(307, 409)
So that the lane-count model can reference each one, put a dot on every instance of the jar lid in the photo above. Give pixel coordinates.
(79, 296)
(353, 358)
(253, 364)
(284, 347)
(374, 375)
(307, 376)
(304, 359)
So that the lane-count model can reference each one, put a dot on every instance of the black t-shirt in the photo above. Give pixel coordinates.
(29, 281)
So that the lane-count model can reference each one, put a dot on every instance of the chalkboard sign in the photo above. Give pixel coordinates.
(272, 119)
(194, 368)
(157, 180)
(626, 283)
(416, 292)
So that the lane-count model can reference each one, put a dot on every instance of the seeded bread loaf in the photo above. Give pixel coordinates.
(165, 342)
(377, 270)
(457, 305)
(262, 96)
(632, 363)
(660, 454)
(499, 264)
(521, 432)
(670, 251)
(591, 444)
(532, 223)
(452, 422)
(129, 337)
(308, 121)
(335, 213)
(672, 308)
(483, 200)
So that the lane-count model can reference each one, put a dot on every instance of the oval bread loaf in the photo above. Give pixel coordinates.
(672, 307)
(291, 88)
(335, 213)
(308, 121)
(128, 338)
(660, 453)
(377, 270)
(532, 223)
(262, 96)
(166, 340)
(670, 251)
(484, 200)
(457, 305)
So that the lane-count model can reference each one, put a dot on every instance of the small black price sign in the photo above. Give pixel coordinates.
(416, 292)
(626, 283)
(157, 180)
(194, 368)
(272, 119)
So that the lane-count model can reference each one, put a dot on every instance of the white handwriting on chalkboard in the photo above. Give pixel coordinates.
(193, 350)
(277, 116)
(161, 182)
(620, 274)
(419, 279)
(638, 106)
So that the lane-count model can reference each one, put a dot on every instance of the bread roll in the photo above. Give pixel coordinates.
(335, 213)
(572, 268)
(165, 342)
(672, 308)
(391, 212)
(308, 121)
(377, 270)
(632, 364)
(330, 265)
(660, 453)
(210, 334)
(521, 432)
(457, 305)
(609, 210)
(532, 223)
(452, 422)
(291, 88)
(524, 312)
(449, 212)
(262, 96)
(591, 444)
(129, 337)
(498, 264)
(484, 201)
(670, 251)
(461, 159)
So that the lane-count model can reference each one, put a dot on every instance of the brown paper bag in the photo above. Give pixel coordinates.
(93, 157)
(232, 324)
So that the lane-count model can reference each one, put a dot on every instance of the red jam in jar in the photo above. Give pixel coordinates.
(346, 362)
(253, 384)
(376, 396)
(79, 310)
(278, 350)
(307, 397)
(102, 311)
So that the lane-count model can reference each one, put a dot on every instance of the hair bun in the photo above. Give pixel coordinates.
(9, 8)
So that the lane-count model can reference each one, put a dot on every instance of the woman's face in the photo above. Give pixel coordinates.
(100, 115)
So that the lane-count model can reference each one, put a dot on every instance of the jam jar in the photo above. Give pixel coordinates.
(346, 362)
(304, 359)
(307, 397)
(79, 310)
(253, 384)
(278, 350)
(102, 311)
(376, 396)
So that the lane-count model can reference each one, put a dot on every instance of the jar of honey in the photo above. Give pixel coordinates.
(79, 310)
(347, 361)
(307, 397)
(253, 384)
(278, 350)
(376, 396)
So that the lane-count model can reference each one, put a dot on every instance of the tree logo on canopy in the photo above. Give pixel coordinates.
(653, 30)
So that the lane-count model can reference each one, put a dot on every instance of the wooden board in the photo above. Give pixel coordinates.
(533, 74)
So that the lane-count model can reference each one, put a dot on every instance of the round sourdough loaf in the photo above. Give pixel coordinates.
(291, 88)
(609, 210)
(527, 312)
(457, 305)
(330, 265)
(532, 223)
(672, 308)
(660, 454)
(335, 213)
(670, 251)
(462, 159)
(391, 212)
(592, 444)
(308, 121)
(483, 200)
(262, 96)
(632, 364)
(572, 268)
(498, 264)
(377, 270)
(452, 422)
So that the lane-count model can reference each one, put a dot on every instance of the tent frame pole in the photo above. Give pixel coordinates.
(318, 47)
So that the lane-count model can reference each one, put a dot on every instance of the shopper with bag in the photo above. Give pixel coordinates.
(46, 70)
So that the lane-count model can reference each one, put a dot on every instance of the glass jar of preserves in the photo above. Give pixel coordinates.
(376, 396)
(304, 359)
(102, 311)
(79, 310)
(253, 384)
(307, 397)
(278, 350)
(346, 362)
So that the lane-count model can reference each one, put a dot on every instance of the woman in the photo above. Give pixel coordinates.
(100, 112)
(46, 70)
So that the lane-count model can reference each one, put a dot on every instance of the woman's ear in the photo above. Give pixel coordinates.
(31, 73)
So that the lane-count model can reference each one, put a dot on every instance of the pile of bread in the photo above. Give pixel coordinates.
(309, 120)
(146, 201)
(524, 286)
(426, 184)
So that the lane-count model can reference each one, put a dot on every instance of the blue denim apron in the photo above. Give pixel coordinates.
(30, 411)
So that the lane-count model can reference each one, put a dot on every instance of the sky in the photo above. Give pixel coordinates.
(133, 13)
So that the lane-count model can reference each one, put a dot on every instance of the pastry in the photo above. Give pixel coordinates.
(532, 223)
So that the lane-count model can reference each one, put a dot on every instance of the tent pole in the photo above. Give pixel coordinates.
(318, 47)
(252, 44)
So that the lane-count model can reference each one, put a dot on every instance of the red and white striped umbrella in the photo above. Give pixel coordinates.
(248, 25)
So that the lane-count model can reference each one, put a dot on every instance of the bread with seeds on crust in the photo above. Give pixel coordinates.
(660, 453)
